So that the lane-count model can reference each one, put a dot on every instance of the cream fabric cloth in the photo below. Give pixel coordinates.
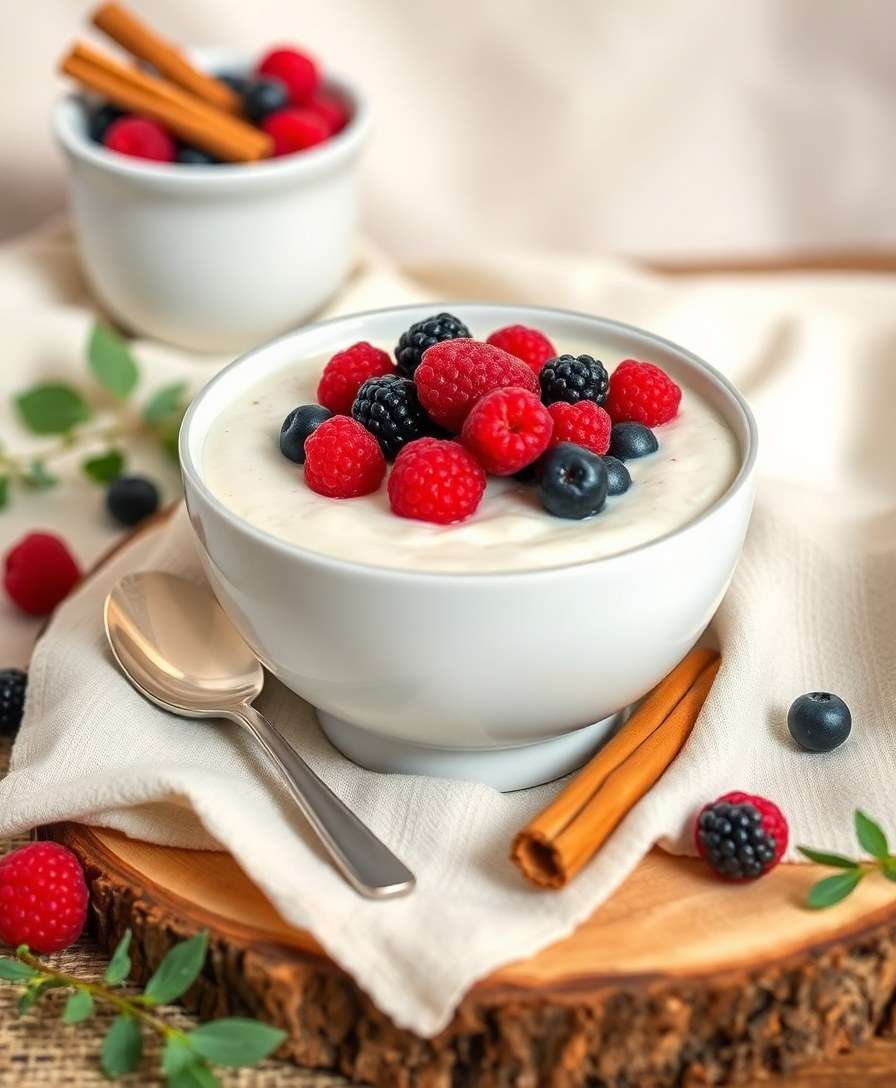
(811, 605)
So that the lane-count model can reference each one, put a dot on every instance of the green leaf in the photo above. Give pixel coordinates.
(888, 868)
(122, 1047)
(838, 861)
(37, 478)
(178, 971)
(78, 1007)
(120, 965)
(832, 889)
(15, 971)
(111, 361)
(4, 491)
(177, 1054)
(51, 408)
(871, 836)
(165, 403)
(104, 468)
(36, 991)
(235, 1041)
(195, 1075)
(170, 442)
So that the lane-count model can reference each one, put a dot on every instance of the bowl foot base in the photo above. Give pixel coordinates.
(504, 769)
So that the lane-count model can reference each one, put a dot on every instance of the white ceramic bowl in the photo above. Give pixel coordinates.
(213, 258)
(494, 677)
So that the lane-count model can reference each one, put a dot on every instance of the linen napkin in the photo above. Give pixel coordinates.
(811, 606)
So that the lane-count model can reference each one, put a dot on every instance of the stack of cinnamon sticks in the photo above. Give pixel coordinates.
(560, 840)
(196, 107)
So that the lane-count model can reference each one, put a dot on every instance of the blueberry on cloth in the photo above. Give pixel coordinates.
(572, 481)
(819, 721)
(631, 440)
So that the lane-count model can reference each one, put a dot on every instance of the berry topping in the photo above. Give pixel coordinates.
(643, 393)
(264, 96)
(819, 721)
(295, 130)
(140, 137)
(295, 70)
(232, 80)
(130, 499)
(12, 698)
(506, 430)
(572, 481)
(631, 440)
(347, 371)
(530, 345)
(99, 120)
(584, 424)
(195, 156)
(298, 425)
(43, 897)
(741, 836)
(437, 480)
(342, 460)
(332, 109)
(422, 335)
(389, 408)
(39, 572)
(456, 373)
(573, 378)
(619, 478)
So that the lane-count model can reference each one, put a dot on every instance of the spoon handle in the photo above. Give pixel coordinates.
(365, 862)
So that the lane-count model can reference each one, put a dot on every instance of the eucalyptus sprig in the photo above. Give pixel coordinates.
(832, 889)
(62, 413)
(187, 1056)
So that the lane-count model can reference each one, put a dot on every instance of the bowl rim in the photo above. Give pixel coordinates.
(193, 476)
(214, 175)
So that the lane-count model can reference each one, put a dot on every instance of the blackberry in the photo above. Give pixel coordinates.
(732, 839)
(422, 335)
(388, 407)
(573, 378)
(12, 699)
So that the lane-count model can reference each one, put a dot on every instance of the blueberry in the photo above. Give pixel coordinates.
(195, 156)
(819, 721)
(619, 479)
(233, 81)
(130, 499)
(630, 440)
(573, 481)
(99, 119)
(300, 423)
(264, 96)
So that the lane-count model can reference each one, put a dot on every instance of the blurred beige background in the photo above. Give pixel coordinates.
(650, 127)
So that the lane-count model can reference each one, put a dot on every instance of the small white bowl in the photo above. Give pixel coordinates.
(214, 258)
(510, 678)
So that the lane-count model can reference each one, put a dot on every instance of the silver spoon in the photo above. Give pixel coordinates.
(175, 644)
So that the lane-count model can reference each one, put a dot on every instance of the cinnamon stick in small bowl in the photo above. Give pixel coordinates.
(554, 846)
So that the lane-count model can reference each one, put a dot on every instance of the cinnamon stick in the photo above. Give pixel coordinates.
(136, 37)
(186, 116)
(554, 846)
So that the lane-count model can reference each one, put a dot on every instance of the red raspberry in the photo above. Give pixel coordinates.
(584, 423)
(140, 137)
(530, 345)
(297, 71)
(506, 430)
(347, 371)
(643, 393)
(332, 109)
(437, 480)
(454, 374)
(342, 460)
(43, 897)
(741, 836)
(295, 130)
(39, 572)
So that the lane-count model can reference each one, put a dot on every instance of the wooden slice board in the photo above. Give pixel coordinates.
(678, 979)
